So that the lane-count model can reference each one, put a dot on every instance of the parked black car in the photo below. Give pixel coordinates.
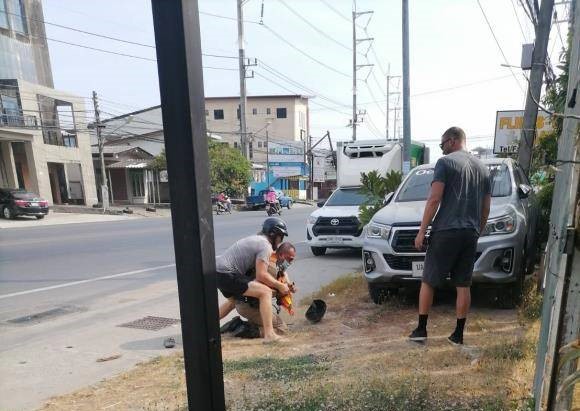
(15, 202)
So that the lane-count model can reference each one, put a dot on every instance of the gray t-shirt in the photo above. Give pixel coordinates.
(466, 181)
(241, 257)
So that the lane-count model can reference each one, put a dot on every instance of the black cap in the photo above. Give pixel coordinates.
(274, 225)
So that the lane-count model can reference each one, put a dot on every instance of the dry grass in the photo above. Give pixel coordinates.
(356, 358)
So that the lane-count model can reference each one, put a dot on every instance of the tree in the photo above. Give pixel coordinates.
(375, 187)
(229, 170)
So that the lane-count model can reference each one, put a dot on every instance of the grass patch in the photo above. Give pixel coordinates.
(277, 369)
(531, 307)
(347, 285)
(512, 350)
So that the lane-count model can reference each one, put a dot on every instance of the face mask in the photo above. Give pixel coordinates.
(284, 265)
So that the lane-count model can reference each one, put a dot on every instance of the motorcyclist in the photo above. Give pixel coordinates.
(272, 199)
(225, 201)
(252, 253)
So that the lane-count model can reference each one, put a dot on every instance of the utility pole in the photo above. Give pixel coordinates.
(406, 92)
(267, 159)
(542, 30)
(389, 77)
(355, 67)
(242, 70)
(560, 320)
(101, 143)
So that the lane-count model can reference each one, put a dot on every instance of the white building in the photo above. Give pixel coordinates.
(44, 143)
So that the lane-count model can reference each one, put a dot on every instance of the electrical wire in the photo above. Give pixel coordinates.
(312, 26)
(518, 19)
(314, 59)
(498, 44)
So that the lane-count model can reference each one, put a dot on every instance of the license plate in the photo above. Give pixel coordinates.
(33, 204)
(334, 239)
(418, 268)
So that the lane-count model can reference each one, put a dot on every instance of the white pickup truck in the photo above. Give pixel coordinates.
(336, 224)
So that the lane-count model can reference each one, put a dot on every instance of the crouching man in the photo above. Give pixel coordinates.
(252, 253)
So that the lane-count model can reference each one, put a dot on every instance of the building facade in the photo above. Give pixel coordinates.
(44, 143)
(23, 48)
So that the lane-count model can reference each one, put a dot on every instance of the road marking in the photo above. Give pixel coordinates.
(90, 280)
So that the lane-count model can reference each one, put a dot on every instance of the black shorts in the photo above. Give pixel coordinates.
(451, 253)
(232, 285)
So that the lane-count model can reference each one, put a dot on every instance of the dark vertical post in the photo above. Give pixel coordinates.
(179, 63)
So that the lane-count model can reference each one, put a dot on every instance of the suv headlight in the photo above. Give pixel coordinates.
(312, 220)
(501, 225)
(375, 230)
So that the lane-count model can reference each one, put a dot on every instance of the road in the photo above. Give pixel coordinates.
(66, 289)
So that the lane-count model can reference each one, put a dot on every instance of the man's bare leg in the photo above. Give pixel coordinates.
(425, 298)
(461, 308)
(227, 307)
(264, 294)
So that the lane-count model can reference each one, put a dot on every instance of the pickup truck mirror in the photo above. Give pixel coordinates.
(524, 190)
(321, 203)
(388, 198)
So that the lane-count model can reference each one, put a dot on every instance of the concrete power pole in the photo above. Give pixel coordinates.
(242, 70)
(406, 92)
(535, 87)
(101, 143)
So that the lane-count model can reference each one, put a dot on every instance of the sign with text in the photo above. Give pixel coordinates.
(508, 129)
(319, 169)
(286, 152)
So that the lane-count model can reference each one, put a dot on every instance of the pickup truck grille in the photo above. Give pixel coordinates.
(404, 262)
(341, 226)
(404, 241)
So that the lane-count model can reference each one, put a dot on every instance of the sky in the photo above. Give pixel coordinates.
(456, 77)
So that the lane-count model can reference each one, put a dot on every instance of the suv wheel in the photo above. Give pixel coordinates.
(7, 213)
(379, 293)
(289, 205)
(317, 251)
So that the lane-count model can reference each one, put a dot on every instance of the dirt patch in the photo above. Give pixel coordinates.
(358, 357)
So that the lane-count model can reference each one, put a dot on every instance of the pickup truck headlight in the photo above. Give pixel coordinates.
(501, 225)
(312, 220)
(375, 230)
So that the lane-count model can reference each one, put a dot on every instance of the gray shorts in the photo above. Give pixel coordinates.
(451, 253)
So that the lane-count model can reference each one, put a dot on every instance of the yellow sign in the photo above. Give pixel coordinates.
(508, 129)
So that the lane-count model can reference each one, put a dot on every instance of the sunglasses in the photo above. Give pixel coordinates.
(443, 143)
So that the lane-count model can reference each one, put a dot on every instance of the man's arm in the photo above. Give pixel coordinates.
(484, 212)
(264, 277)
(435, 196)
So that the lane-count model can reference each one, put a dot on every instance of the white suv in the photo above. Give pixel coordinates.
(335, 224)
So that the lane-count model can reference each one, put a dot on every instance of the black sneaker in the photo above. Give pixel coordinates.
(418, 335)
(455, 340)
(231, 325)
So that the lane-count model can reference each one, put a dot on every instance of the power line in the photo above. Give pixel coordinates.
(281, 38)
(518, 19)
(312, 26)
(498, 44)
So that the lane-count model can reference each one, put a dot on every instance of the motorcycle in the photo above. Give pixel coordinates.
(273, 208)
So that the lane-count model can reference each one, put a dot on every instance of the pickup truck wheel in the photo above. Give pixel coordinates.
(40, 217)
(289, 205)
(510, 296)
(317, 251)
(379, 293)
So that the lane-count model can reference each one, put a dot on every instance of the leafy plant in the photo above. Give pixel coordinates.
(569, 355)
(229, 170)
(375, 187)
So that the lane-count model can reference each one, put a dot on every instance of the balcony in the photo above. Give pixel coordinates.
(17, 119)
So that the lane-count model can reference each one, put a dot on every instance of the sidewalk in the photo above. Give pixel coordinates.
(62, 218)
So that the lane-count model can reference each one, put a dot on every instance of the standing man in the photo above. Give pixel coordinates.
(459, 200)
(252, 253)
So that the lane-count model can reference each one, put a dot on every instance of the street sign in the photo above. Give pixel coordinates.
(508, 128)
(318, 169)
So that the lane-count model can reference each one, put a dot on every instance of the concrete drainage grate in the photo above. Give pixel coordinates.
(151, 323)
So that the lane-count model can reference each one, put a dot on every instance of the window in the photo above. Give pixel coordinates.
(259, 144)
(281, 112)
(251, 150)
(255, 111)
(238, 113)
(268, 111)
(218, 114)
(17, 16)
(347, 197)
(58, 120)
(3, 15)
(235, 144)
(137, 184)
